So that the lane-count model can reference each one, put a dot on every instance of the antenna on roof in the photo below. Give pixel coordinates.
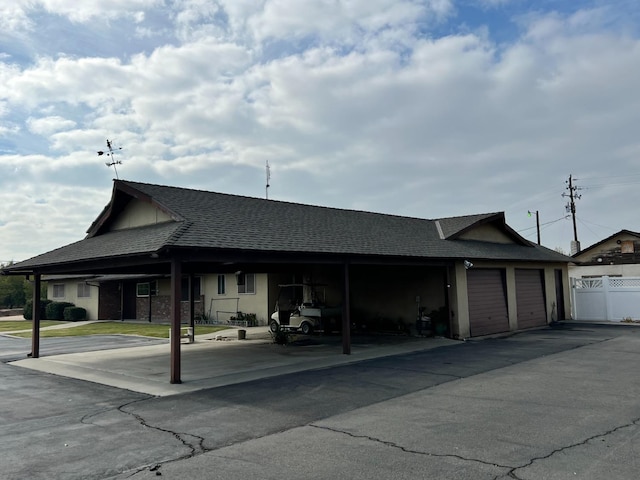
(110, 153)
(266, 189)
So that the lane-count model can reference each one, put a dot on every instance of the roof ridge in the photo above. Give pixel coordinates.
(283, 202)
(175, 236)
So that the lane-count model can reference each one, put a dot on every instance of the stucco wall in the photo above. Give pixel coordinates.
(626, 270)
(137, 214)
(487, 233)
(90, 304)
(232, 301)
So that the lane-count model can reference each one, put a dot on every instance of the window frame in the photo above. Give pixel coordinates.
(83, 290)
(247, 287)
(222, 284)
(152, 288)
(55, 290)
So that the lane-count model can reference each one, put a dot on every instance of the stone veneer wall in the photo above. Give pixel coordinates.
(161, 308)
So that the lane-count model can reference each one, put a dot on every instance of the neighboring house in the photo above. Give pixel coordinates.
(605, 279)
(615, 256)
(477, 270)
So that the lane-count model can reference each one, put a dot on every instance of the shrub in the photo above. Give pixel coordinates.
(55, 310)
(28, 309)
(74, 314)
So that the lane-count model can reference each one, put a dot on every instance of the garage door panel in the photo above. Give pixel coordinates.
(530, 298)
(487, 302)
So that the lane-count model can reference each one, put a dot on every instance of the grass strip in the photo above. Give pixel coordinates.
(118, 328)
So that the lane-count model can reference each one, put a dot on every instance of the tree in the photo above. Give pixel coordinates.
(12, 291)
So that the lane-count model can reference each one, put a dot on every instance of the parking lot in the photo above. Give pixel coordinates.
(551, 403)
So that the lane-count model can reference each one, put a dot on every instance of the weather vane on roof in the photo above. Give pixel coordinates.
(110, 153)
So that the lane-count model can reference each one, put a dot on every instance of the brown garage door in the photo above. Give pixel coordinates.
(530, 298)
(487, 301)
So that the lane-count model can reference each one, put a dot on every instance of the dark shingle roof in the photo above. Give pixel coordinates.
(222, 221)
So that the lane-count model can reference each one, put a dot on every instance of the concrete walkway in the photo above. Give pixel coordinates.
(218, 359)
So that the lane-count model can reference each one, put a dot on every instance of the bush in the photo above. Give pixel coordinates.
(55, 310)
(28, 309)
(74, 314)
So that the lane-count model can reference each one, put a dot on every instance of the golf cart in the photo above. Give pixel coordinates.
(299, 309)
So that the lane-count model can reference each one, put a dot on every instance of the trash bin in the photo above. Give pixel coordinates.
(242, 334)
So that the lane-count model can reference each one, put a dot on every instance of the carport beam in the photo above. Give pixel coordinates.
(176, 294)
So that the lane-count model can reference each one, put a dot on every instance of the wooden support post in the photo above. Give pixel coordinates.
(192, 304)
(346, 314)
(35, 315)
(176, 294)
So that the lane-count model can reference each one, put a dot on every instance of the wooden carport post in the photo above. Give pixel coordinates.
(346, 314)
(192, 305)
(176, 294)
(35, 315)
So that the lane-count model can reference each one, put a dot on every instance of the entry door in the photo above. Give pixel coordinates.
(530, 297)
(486, 289)
(128, 300)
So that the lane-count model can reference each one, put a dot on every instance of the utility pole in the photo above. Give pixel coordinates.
(537, 223)
(571, 207)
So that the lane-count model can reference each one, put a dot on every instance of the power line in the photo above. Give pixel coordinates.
(545, 223)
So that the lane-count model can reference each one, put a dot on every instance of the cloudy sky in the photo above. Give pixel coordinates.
(426, 108)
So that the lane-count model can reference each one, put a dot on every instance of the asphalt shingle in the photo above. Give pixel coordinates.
(221, 221)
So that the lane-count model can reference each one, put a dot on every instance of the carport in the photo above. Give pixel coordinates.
(159, 230)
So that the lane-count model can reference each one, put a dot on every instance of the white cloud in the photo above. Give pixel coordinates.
(49, 125)
(365, 104)
(88, 10)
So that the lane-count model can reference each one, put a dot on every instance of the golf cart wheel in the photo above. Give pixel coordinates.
(306, 328)
(274, 326)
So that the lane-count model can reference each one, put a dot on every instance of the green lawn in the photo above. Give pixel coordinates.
(12, 326)
(113, 328)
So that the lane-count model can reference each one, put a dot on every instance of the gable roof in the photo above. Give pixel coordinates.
(209, 221)
(602, 242)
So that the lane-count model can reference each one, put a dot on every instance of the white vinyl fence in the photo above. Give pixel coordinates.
(605, 298)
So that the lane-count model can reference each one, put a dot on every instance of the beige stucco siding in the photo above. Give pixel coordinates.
(90, 304)
(138, 214)
(224, 305)
(460, 302)
(487, 233)
(626, 270)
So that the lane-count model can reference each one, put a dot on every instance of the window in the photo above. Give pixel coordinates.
(144, 289)
(247, 283)
(185, 288)
(84, 290)
(58, 290)
(221, 285)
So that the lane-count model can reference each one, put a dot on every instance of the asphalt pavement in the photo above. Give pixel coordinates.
(559, 402)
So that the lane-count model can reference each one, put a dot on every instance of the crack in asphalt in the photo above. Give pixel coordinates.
(409, 450)
(512, 472)
(196, 446)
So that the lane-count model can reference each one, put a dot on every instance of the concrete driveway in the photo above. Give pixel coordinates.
(213, 360)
